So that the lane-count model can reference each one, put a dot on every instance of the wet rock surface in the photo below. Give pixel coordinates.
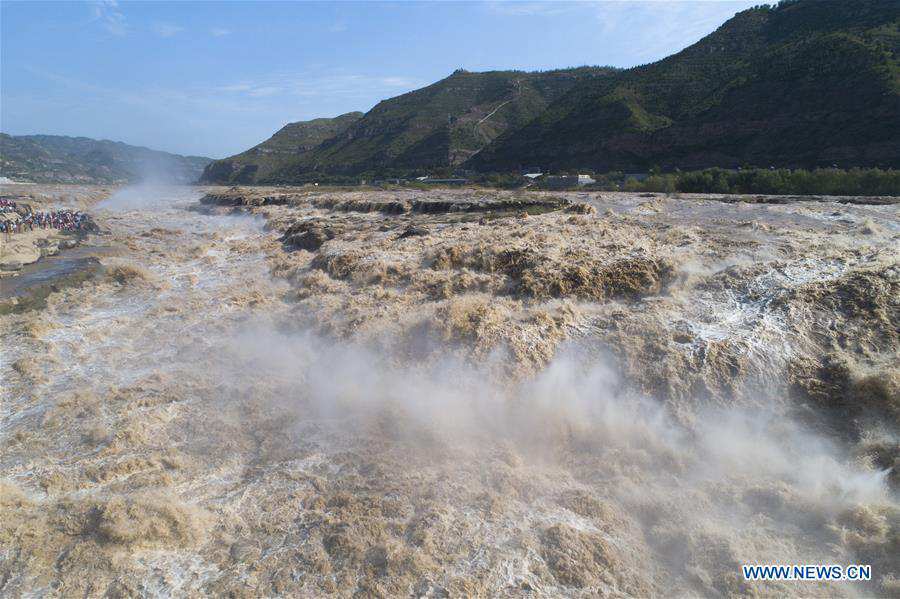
(309, 235)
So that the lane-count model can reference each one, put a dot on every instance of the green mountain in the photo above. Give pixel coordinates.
(280, 157)
(60, 159)
(807, 83)
(804, 84)
(445, 123)
(439, 126)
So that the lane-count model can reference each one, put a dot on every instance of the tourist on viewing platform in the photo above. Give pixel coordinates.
(64, 220)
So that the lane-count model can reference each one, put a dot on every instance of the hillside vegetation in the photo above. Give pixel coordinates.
(870, 182)
(438, 126)
(804, 84)
(282, 155)
(60, 159)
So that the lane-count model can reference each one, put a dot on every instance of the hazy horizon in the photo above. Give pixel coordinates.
(213, 79)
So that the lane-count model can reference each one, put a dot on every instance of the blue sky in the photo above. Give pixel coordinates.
(214, 78)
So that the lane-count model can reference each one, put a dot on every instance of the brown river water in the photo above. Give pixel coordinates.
(188, 424)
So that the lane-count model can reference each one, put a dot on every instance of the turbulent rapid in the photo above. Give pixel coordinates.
(456, 394)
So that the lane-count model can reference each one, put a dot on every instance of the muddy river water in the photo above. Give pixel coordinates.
(183, 424)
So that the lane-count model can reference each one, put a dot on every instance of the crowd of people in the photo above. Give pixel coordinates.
(64, 220)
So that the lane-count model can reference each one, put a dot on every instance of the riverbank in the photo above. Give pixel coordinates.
(28, 245)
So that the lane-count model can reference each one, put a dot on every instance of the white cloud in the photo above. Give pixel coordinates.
(264, 90)
(235, 87)
(662, 28)
(253, 89)
(219, 31)
(311, 84)
(397, 82)
(653, 28)
(532, 9)
(260, 105)
(108, 15)
(338, 27)
(166, 29)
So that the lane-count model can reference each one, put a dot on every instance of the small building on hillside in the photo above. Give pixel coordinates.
(457, 181)
(564, 181)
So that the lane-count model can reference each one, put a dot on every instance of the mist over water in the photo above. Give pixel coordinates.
(575, 400)
(754, 479)
(145, 196)
(191, 355)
